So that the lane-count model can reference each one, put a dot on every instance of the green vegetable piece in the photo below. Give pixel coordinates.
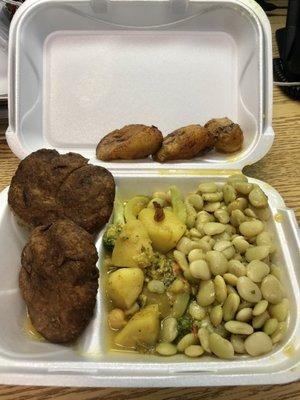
(113, 230)
(178, 205)
(184, 326)
(134, 206)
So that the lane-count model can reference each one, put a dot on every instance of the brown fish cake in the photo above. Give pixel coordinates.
(225, 135)
(59, 280)
(45, 180)
(184, 143)
(130, 142)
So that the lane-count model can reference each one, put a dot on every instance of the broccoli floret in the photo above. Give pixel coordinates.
(110, 236)
(178, 205)
(161, 268)
(184, 326)
(114, 229)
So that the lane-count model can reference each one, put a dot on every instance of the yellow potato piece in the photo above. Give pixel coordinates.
(124, 286)
(133, 246)
(142, 329)
(164, 234)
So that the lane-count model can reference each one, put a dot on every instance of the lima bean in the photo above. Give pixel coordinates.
(230, 306)
(258, 344)
(271, 289)
(212, 206)
(279, 333)
(196, 312)
(220, 289)
(206, 293)
(251, 228)
(248, 290)
(196, 254)
(239, 328)
(270, 326)
(196, 201)
(231, 289)
(186, 341)
(213, 228)
(229, 193)
(222, 216)
(221, 245)
(216, 315)
(257, 270)
(257, 253)
(181, 259)
(207, 187)
(218, 263)
(260, 307)
(237, 218)
(237, 268)
(156, 286)
(238, 204)
(244, 315)
(180, 304)
(191, 215)
(221, 347)
(203, 336)
(259, 321)
(265, 239)
(203, 217)
(169, 329)
(280, 310)
(166, 349)
(243, 187)
(237, 342)
(200, 270)
(217, 196)
(257, 198)
(240, 244)
(230, 279)
(193, 350)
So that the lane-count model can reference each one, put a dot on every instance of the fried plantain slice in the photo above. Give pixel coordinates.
(225, 135)
(184, 143)
(130, 142)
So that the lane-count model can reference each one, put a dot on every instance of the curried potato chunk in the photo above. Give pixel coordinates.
(164, 233)
(133, 246)
(124, 286)
(142, 329)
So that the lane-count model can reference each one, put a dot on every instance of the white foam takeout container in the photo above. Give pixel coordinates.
(79, 69)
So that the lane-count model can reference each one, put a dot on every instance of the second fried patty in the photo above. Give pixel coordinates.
(130, 142)
(59, 280)
(48, 186)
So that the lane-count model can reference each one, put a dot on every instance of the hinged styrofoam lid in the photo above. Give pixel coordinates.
(80, 69)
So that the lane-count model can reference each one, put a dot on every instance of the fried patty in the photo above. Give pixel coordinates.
(59, 280)
(184, 143)
(48, 186)
(130, 142)
(226, 136)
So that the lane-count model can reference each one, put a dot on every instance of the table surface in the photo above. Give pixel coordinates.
(281, 169)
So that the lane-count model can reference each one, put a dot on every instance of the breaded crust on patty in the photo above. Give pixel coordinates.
(59, 280)
(130, 142)
(184, 143)
(48, 186)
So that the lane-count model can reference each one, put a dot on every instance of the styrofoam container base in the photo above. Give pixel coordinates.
(90, 362)
(79, 69)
